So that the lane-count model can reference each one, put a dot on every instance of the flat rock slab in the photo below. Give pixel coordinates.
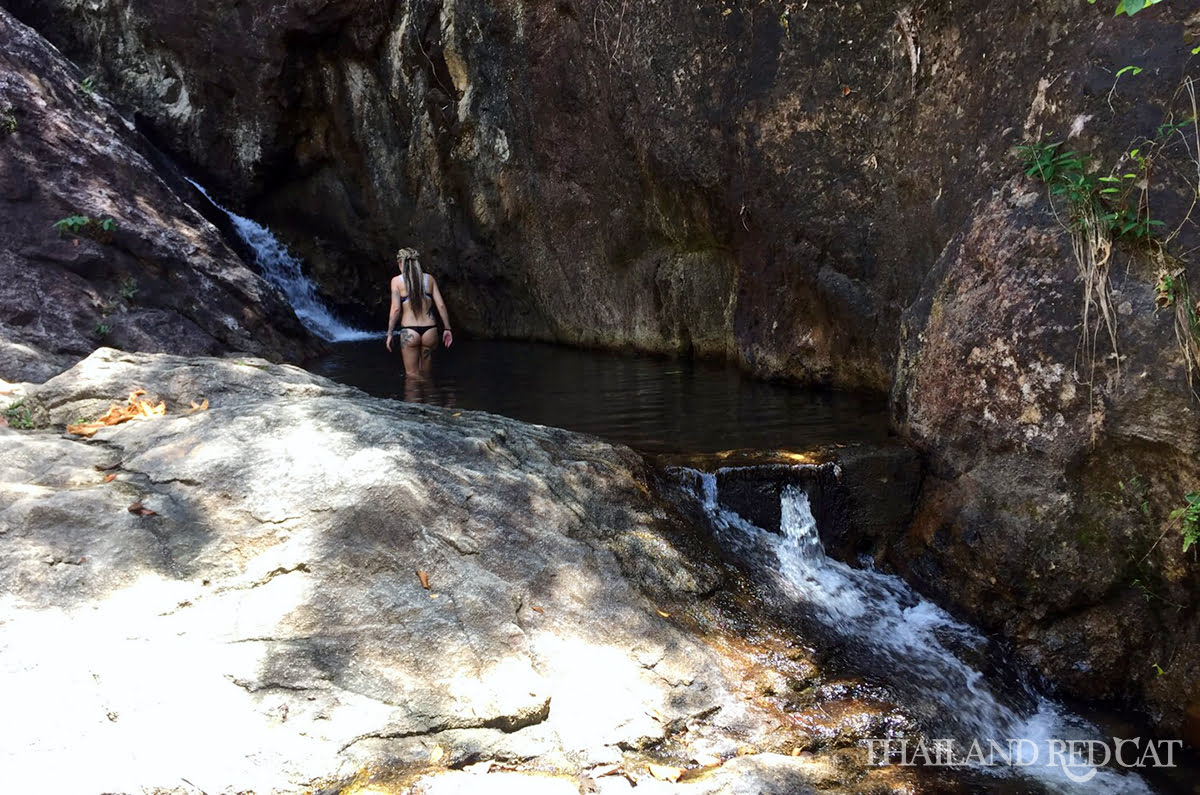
(234, 598)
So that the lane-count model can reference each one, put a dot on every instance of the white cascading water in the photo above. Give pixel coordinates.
(915, 641)
(283, 271)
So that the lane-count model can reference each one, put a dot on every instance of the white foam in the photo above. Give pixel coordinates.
(284, 272)
(916, 641)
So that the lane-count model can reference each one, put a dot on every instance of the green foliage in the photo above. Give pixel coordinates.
(1189, 516)
(88, 85)
(128, 288)
(98, 229)
(1131, 7)
(1131, 495)
(72, 223)
(1113, 200)
(8, 123)
(103, 329)
(19, 416)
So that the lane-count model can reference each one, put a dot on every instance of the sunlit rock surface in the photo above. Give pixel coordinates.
(232, 598)
(140, 269)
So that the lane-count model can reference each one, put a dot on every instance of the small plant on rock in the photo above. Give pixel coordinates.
(19, 416)
(1189, 516)
(98, 229)
(128, 288)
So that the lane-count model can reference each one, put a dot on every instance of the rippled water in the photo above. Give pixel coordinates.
(654, 404)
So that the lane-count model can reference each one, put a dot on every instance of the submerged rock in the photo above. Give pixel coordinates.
(97, 246)
(300, 582)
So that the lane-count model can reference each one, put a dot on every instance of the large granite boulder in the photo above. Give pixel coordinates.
(300, 585)
(98, 245)
(1047, 510)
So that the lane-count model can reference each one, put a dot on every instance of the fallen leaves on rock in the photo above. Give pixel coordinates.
(424, 578)
(665, 773)
(110, 477)
(536, 609)
(201, 406)
(436, 754)
(141, 510)
(134, 409)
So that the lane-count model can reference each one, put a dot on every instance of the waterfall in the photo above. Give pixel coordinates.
(282, 270)
(917, 649)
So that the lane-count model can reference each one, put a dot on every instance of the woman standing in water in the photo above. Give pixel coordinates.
(414, 294)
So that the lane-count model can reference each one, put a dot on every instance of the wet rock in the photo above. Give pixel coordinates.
(861, 494)
(98, 247)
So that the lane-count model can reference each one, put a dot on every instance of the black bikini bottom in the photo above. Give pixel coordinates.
(420, 329)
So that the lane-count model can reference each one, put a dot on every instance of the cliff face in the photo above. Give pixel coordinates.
(96, 246)
(759, 181)
(821, 191)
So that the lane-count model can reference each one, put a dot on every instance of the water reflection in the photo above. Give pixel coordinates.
(652, 403)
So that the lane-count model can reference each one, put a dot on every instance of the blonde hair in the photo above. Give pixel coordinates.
(409, 261)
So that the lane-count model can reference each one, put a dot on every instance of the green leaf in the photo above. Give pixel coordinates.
(1137, 70)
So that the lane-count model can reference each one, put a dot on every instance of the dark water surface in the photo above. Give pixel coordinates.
(652, 403)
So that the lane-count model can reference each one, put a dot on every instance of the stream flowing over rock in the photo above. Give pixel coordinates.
(233, 598)
(139, 268)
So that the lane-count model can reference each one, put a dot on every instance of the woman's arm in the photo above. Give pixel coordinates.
(394, 312)
(447, 335)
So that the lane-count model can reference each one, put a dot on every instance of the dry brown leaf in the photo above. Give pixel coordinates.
(110, 477)
(202, 406)
(664, 615)
(664, 773)
(436, 754)
(424, 578)
(134, 409)
(536, 609)
(141, 510)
